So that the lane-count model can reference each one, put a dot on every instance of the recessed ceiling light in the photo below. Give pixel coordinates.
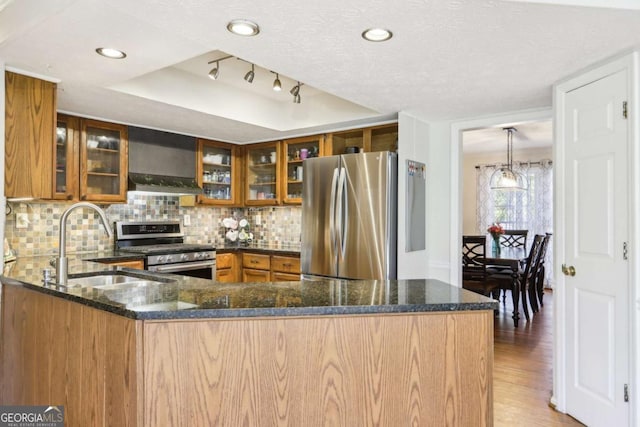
(377, 34)
(111, 53)
(243, 27)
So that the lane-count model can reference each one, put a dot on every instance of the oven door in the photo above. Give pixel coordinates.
(203, 269)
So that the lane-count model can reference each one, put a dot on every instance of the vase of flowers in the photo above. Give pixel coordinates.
(496, 231)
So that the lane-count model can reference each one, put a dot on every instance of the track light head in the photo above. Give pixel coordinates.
(277, 86)
(250, 74)
(296, 98)
(295, 90)
(214, 73)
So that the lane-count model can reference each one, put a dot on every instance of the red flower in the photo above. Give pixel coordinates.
(495, 230)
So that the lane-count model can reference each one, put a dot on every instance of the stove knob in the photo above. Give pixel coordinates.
(169, 258)
(198, 255)
(161, 259)
(184, 257)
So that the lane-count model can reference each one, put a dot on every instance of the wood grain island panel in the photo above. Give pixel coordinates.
(417, 369)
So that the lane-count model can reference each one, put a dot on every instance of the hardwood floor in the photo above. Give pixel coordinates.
(523, 358)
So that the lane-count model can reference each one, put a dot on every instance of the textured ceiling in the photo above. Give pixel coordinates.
(530, 135)
(447, 60)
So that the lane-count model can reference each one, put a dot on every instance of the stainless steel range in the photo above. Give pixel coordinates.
(162, 244)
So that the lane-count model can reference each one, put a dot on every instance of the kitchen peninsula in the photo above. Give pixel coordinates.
(174, 350)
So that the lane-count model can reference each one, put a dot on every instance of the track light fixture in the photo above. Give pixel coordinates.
(215, 71)
(250, 74)
(295, 91)
(277, 86)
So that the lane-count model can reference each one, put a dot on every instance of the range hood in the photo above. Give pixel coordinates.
(162, 162)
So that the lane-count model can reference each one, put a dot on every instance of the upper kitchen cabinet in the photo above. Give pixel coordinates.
(66, 158)
(219, 172)
(295, 151)
(262, 174)
(30, 127)
(377, 138)
(103, 161)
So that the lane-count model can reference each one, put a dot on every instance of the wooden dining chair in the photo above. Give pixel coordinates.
(474, 269)
(511, 239)
(541, 271)
(514, 239)
(526, 275)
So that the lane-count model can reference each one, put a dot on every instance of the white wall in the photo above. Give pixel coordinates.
(413, 139)
(469, 162)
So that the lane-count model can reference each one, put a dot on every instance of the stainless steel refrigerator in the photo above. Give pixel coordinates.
(349, 212)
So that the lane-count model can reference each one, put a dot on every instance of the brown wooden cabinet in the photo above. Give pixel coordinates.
(285, 268)
(295, 151)
(30, 123)
(375, 138)
(67, 158)
(227, 268)
(262, 174)
(256, 267)
(104, 153)
(219, 172)
(137, 264)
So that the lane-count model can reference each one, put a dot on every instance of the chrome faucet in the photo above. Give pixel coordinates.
(61, 261)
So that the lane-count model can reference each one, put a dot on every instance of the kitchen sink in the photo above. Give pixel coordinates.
(111, 280)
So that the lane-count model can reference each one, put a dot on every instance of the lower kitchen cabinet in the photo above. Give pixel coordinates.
(251, 275)
(256, 267)
(285, 268)
(227, 268)
(136, 264)
(269, 268)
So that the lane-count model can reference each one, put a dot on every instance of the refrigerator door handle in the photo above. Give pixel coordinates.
(342, 224)
(332, 210)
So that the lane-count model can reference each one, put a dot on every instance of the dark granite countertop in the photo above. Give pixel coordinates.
(170, 296)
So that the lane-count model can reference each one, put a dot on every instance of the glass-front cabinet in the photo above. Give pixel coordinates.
(261, 174)
(295, 151)
(66, 158)
(218, 172)
(103, 161)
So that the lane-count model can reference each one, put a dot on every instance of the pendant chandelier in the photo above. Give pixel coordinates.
(505, 178)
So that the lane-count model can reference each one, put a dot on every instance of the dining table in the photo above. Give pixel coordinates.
(510, 258)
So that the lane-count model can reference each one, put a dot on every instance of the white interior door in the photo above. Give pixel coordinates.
(596, 228)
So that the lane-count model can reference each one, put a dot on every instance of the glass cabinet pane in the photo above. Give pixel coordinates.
(61, 161)
(217, 176)
(297, 150)
(103, 160)
(262, 173)
(66, 158)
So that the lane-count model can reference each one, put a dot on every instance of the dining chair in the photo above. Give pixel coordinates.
(526, 275)
(474, 269)
(514, 239)
(541, 271)
(510, 239)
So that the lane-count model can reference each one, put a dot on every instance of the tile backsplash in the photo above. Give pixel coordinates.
(270, 225)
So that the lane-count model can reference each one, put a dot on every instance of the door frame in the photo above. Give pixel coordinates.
(625, 61)
(457, 128)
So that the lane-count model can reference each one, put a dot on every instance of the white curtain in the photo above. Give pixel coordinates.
(519, 210)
